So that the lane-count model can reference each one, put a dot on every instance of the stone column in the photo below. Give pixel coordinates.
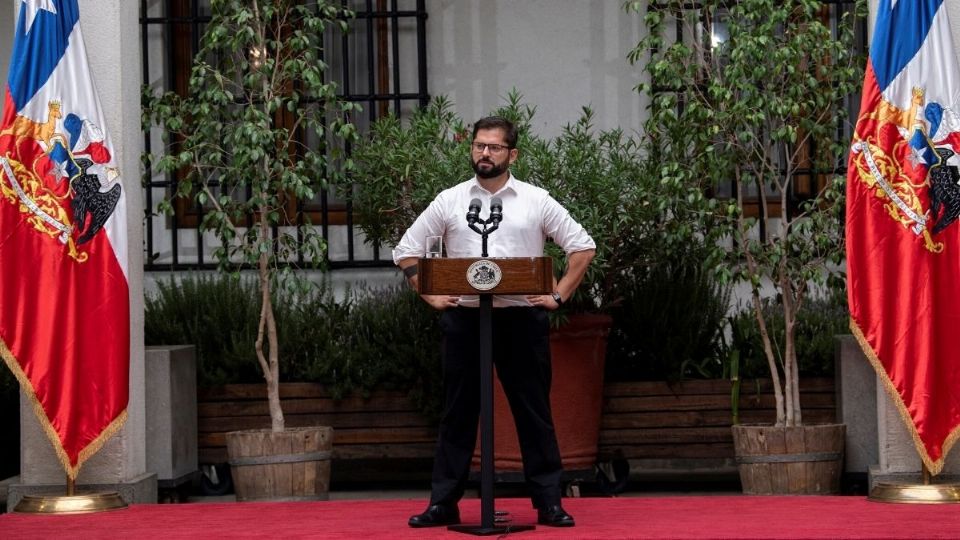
(111, 31)
(172, 415)
(899, 460)
(856, 407)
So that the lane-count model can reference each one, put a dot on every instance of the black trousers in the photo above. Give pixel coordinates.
(521, 354)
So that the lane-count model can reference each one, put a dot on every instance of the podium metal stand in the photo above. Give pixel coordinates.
(486, 277)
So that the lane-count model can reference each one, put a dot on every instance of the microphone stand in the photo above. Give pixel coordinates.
(493, 219)
(488, 524)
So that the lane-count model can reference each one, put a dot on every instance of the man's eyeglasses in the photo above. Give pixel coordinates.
(479, 147)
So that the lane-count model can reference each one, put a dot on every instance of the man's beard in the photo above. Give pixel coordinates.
(494, 171)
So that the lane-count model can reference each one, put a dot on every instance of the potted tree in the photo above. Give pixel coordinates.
(752, 104)
(257, 90)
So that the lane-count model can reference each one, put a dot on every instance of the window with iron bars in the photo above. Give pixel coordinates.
(809, 180)
(380, 62)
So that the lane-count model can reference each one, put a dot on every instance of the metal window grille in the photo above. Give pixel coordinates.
(380, 62)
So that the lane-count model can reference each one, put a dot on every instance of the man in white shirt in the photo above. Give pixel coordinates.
(521, 347)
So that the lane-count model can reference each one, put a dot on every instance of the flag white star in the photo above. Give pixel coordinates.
(31, 10)
(59, 170)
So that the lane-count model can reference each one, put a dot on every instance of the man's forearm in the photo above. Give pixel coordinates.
(437, 301)
(577, 263)
(409, 268)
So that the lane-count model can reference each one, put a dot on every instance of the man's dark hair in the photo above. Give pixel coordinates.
(498, 122)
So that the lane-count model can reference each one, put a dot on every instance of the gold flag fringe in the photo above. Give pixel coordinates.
(935, 467)
(86, 452)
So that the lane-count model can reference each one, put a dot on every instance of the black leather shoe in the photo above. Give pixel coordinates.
(554, 516)
(437, 515)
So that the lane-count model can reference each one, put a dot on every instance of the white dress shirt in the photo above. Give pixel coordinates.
(530, 216)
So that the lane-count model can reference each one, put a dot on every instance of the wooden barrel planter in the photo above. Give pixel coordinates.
(789, 460)
(291, 465)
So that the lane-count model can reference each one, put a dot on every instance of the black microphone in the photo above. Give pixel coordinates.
(496, 210)
(473, 212)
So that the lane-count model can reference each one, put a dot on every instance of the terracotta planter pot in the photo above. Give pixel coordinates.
(292, 465)
(789, 460)
(578, 350)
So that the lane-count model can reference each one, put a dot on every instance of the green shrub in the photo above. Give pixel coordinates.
(818, 321)
(394, 341)
(372, 338)
(216, 314)
(670, 323)
(402, 165)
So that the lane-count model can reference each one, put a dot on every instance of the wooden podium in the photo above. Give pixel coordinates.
(486, 277)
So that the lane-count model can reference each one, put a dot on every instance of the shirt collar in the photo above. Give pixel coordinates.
(511, 185)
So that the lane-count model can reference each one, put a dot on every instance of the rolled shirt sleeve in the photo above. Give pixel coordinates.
(429, 223)
(560, 226)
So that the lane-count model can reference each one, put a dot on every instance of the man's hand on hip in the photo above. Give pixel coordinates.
(544, 301)
(441, 301)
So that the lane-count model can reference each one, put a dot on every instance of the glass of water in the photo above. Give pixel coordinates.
(434, 247)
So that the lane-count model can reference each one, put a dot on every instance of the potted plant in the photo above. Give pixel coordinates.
(598, 176)
(257, 85)
(755, 101)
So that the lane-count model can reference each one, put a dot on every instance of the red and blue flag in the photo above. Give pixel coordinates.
(64, 299)
(902, 230)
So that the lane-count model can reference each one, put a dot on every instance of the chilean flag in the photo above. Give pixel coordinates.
(64, 301)
(902, 230)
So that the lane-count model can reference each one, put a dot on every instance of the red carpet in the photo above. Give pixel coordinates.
(633, 517)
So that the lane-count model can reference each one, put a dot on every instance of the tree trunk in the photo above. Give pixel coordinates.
(269, 361)
(778, 392)
(743, 230)
(790, 382)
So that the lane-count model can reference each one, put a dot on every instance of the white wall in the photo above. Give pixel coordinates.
(560, 54)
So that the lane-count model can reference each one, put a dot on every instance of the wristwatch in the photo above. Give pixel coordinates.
(557, 298)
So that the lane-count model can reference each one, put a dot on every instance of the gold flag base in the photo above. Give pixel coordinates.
(926, 492)
(916, 493)
(70, 504)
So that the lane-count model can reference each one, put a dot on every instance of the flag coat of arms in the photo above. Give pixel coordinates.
(64, 300)
(902, 229)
